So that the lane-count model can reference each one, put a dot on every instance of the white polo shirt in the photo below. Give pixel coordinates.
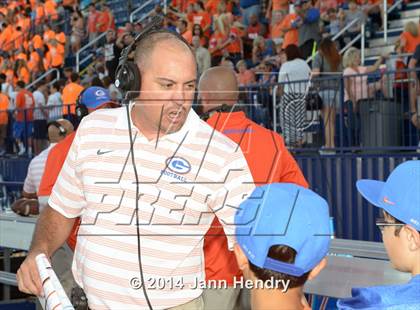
(185, 178)
(36, 170)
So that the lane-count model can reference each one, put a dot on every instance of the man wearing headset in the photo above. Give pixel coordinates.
(153, 163)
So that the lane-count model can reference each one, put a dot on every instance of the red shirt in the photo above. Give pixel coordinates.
(55, 162)
(25, 103)
(269, 161)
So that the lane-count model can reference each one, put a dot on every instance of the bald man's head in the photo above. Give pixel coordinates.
(217, 86)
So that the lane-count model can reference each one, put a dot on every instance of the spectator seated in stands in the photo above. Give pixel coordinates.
(399, 201)
(274, 253)
(245, 77)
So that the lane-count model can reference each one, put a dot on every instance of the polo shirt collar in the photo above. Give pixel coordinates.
(219, 119)
(191, 122)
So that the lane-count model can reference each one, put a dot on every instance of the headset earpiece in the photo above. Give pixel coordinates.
(61, 129)
(128, 78)
(81, 109)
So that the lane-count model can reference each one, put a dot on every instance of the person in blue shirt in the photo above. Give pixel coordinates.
(399, 199)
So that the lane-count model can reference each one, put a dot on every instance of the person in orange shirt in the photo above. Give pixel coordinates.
(34, 61)
(92, 22)
(235, 44)
(277, 5)
(37, 42)
(50, 8)
(410, 38)
(39, 13)
(245, 77)
(22, 127)
(291, 34)
(202, 17)
(60, 35)
(93, 98)
(104, 19)
(18, 38)
(268, 160)
(276, 31)
(184, 31)
(6, 37)
(70, 94)
(211, 6)
(49, 34)
(4, 120)
(56, 54)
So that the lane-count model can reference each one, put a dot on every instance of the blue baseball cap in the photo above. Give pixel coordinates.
(93, 97)
(284, 214)
(399, 195)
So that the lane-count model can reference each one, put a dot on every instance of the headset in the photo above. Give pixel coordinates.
(61, 130)
(221, 109)
(81, 109)
(127, 76)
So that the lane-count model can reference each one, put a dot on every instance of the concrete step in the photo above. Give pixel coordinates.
(413, 5)
(391, 32)
(378, 42)
(401, 22)
(410, 13)
(377, 51)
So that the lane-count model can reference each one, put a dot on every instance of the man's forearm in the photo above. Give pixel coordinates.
(51, 231)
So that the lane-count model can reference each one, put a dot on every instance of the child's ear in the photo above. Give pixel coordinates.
(317, 269)
(413, 238)
(241, 258)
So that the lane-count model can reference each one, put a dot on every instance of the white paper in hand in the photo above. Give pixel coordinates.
(54, 295)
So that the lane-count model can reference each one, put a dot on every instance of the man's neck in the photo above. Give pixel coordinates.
(273, 299)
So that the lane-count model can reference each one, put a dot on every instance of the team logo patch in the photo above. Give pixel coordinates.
(178, 165)
(100, 93)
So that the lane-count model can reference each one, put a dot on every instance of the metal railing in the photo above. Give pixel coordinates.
(85, 47)
(139, 9)
(43, 76)
(385, 17)
(338, 35)
(379, 119)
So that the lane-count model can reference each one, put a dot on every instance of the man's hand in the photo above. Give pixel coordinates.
(28, 277)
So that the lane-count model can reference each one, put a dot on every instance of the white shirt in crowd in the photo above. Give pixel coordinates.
(40, 103)
(295, 70)
(36, 170)
(54, 105)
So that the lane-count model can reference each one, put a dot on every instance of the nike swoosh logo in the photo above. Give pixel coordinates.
(99, 152)
(386, 200)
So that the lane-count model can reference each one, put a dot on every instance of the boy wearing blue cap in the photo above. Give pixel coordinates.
(283, 236)
(399, 199)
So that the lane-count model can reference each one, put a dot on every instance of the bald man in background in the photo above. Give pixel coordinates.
(268, 159)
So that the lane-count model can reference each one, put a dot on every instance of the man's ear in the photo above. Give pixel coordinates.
(317, 269)
(241, 258)
(413, 238)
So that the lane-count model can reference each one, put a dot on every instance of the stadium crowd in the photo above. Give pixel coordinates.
(257, 38)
